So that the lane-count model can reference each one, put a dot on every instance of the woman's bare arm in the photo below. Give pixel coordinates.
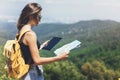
(30, 40)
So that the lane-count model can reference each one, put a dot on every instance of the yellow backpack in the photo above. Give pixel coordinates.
(15, 65)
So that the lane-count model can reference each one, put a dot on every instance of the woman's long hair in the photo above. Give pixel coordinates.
(31, 9)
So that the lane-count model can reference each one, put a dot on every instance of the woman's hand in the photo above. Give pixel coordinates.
(63, 55)
(44, 44)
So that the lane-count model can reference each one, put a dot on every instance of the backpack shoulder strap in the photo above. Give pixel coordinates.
(21, 34)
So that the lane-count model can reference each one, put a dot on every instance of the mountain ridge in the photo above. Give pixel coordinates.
(46, 30)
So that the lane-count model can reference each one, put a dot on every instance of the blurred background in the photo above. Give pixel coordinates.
(96, 23)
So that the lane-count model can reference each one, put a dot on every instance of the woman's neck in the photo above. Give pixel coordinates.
(26, 27)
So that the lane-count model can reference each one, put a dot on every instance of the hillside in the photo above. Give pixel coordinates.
(100, 45)
(96, 33)
(46, 30)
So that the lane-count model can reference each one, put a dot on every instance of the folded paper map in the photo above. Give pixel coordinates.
(67, 47)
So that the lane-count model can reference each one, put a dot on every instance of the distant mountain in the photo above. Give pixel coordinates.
(45, 31)
(7, 30)
(79, 30)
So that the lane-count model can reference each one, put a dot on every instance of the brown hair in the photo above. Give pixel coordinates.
(31, 9)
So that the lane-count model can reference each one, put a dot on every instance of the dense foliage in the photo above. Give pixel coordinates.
(98, 58)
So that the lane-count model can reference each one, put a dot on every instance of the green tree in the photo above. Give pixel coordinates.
(96, 70)
(63, 70)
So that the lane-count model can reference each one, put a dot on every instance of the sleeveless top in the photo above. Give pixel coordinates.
(26, 51)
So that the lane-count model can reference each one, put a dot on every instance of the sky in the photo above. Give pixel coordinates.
(66, 11)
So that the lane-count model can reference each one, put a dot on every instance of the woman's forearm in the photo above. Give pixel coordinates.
(44, 60)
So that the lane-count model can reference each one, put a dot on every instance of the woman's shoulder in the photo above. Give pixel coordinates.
(30, 37)
(30, 34)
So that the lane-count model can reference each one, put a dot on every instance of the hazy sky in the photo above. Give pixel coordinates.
(64, 10)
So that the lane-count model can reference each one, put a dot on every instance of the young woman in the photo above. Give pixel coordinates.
(30, 17)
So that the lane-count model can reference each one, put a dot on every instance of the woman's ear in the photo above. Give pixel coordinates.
(31, 18)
